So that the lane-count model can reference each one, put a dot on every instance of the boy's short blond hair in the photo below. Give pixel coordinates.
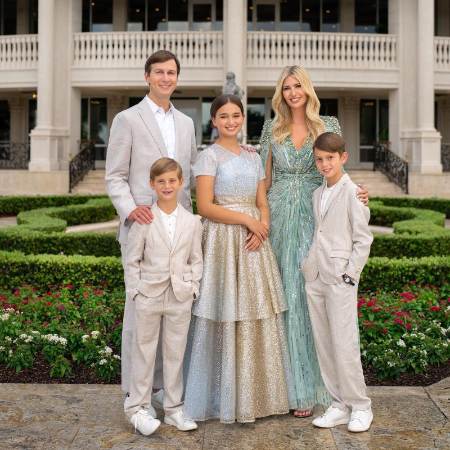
(330, 142)
(164, 165)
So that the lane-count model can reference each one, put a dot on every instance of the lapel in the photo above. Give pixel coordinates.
(340, 184)
(157, 222)
(178, 137)
(181, 223)
(149, 120)
(317, 199)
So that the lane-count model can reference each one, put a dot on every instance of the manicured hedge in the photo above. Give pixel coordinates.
(57, 218)
(13, 205)
(17, 269)
(436, 204)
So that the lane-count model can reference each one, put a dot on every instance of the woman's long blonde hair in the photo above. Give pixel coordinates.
(283, 117)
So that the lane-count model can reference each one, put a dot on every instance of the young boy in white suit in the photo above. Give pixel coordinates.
(163, 269)
(340, 248)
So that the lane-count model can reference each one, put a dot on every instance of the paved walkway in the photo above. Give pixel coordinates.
(86, 417)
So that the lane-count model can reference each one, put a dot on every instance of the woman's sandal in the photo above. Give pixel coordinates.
(302, 413)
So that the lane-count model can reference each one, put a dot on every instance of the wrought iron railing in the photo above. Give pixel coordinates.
(82, 163)
(14, 155)
(394, 167)
(445, 156)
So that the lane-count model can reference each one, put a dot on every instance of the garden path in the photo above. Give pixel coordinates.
(7, 221)
(86, 417)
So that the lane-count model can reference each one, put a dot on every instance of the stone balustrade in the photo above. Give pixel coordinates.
(19, 51)
(130, 49)
(334, 50)
(442, 53)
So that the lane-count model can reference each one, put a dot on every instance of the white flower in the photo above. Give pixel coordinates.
(10, 310)
(95, 334)
(401, 343)
(4, 317)
(390, 364)
(443, 331)
(8, 339)
(10, 353)
(35, 332)
(26, 337)
(106, 351)
(2, 348)
(102, 362)
(116, 357)
(85, 337)
(54, 338)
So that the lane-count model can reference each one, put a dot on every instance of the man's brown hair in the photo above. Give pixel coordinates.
(164, 165)
(159, 57)
(330, 142)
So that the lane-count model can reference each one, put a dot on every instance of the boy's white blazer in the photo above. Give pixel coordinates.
(135, 143)
(342, 237)
(152, 262)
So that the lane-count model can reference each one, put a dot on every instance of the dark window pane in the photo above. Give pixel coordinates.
(367, 129)
(202, 17)
(219, 10)
(255, 119)
(8, 17)
(178, 15)
(33, 17)
(4, 121)
(86, 16)
(382, 26)
(371, 16)
(102, 15)
(157, 18)
(265, 17)
(330, 15)
(32, 114)
(383, 121)
(136, 15)
(84, 119)
(134, 101)
(310, 15)
(329, 107)
(250, 9)
(207, 128)
(289, 15)
(98, 126)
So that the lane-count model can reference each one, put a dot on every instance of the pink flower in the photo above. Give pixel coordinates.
(371, 302)
(408, 326)
(385, 331)
(398, 321)
(435, 308)
(60, 307)
(407, 297)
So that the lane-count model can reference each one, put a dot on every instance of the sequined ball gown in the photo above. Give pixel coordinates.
(294, 179)
(239, 363)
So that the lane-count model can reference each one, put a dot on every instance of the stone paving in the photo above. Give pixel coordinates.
(86, 417)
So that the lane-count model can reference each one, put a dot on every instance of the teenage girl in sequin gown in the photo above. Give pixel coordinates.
(292, 177)
(238, 368)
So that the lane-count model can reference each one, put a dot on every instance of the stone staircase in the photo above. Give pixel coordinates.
(376, 182)
(93, 183)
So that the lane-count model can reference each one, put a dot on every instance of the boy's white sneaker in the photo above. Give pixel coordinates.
(144, 422)
(178, 420)
(360, 421)
(333, 416)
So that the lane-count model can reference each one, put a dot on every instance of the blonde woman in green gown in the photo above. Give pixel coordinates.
(291, 177)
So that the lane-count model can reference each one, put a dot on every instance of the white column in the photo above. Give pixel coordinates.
(120, 14)
(235, 45)
(53, 141)
(347, 16)
(426, 141)
(349, 121)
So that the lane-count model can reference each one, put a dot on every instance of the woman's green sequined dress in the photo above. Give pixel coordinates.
(294, 179)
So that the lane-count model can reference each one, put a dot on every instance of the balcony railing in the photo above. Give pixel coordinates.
(335, 50)
(19, 51)
(442, 53)
(394, 167)
(131, 49)
(445, 156)
(14, 155)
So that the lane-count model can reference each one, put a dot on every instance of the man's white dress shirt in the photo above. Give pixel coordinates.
(170, 222)
(166, 125)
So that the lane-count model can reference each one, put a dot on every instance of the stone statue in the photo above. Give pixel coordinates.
(229, 88)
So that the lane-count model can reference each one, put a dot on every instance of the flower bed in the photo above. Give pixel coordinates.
(74, 330)
(67, 327)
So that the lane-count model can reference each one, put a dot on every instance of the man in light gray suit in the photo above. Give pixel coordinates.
(138, 137)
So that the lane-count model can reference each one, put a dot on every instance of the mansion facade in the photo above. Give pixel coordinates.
(68, 67)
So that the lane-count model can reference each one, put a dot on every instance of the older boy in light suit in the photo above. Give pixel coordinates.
(139, 136)
(340, 248)
(164, 266)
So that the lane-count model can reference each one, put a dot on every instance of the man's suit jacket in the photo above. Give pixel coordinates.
(342, 237)
(135, 143)
(152, 262)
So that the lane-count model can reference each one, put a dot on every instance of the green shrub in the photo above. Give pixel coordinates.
(436, 204)
(57, 218)
(13, 205)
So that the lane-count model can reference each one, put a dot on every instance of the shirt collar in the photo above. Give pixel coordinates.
(174, 213)
(156, 109)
